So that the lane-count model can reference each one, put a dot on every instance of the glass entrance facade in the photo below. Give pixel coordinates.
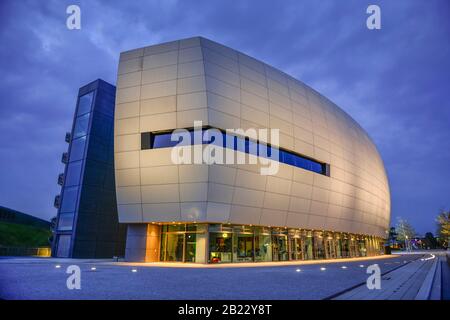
(183, 243)
(226, 243)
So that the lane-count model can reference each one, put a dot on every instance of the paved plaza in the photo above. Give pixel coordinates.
(34, 278)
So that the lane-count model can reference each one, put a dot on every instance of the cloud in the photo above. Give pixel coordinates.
(393, 81)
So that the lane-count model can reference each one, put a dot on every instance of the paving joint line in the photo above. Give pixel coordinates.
(337, 294)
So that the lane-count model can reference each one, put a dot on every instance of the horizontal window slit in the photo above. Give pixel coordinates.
(157, 140)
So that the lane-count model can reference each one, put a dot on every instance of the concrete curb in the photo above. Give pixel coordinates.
(425, 290)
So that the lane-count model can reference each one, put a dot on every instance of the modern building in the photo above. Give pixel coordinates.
(329, 199)
(87, 222)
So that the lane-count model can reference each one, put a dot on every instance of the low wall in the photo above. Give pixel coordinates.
(21, 251)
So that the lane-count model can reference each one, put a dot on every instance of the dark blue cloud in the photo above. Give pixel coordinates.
(394, 81)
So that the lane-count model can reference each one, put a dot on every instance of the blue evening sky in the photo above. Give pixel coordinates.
(395, 81)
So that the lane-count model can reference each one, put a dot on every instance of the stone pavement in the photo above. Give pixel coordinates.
(414, 280)
(28, 278)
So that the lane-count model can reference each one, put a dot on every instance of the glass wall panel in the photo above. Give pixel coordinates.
(65, 221)
(173, 227)
(81, 126)
(190, 251)
(220, 247)
(362, 247)
(279, 244)
(73, 174)
(63, 246)
(85, 103)
(183, 243)
(242, 244)
(263, 244)
(345, 247)
(77, 149)
(353, 246)
(295, 245)
(330, 249)
(222, 243)
(319, 249)
(69, 200)
(308, 245)
(173, 249)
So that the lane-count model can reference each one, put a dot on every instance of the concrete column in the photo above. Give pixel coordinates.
(153, 243)
(143, 241)
(136, 242)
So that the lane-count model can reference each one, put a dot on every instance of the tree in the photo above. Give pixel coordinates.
(53, 222)
(430, 241)
(405, 232)
(443, 221)
(392, 237)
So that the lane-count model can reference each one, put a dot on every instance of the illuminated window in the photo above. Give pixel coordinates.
(163, 140)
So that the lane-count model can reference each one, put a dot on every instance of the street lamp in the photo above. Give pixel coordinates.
(406, 243)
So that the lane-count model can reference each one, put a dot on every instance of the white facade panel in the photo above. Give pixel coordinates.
(171, 85)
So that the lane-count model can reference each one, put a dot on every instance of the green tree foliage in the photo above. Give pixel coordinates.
(19, 235)
(392, 236)
(430, 241)
(443, 221)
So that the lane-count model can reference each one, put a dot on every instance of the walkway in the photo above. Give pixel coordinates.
(417, 280)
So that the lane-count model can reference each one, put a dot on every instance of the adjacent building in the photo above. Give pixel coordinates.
(329, 199)
(87, 221)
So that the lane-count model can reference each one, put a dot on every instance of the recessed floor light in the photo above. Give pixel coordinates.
(298, 270)
(93, 268)
(57, 266)
(133, 270)
(323, 269)
(361, 266)
(344, 267)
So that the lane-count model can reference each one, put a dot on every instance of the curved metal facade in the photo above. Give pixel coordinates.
(171, 85)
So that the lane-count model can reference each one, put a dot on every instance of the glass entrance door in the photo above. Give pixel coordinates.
(173, 247)
(244, 247)
(183, 243)
(330, 252)
(279, 248)
(308, 246)
(296, 249)
(190, 247)
(263, 245)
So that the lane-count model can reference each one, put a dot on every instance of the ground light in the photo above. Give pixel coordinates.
(93, 268)
(133, 270)
(298, 270)
(361, 266)
(344, 267)
(323, 269)
(57, 266)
